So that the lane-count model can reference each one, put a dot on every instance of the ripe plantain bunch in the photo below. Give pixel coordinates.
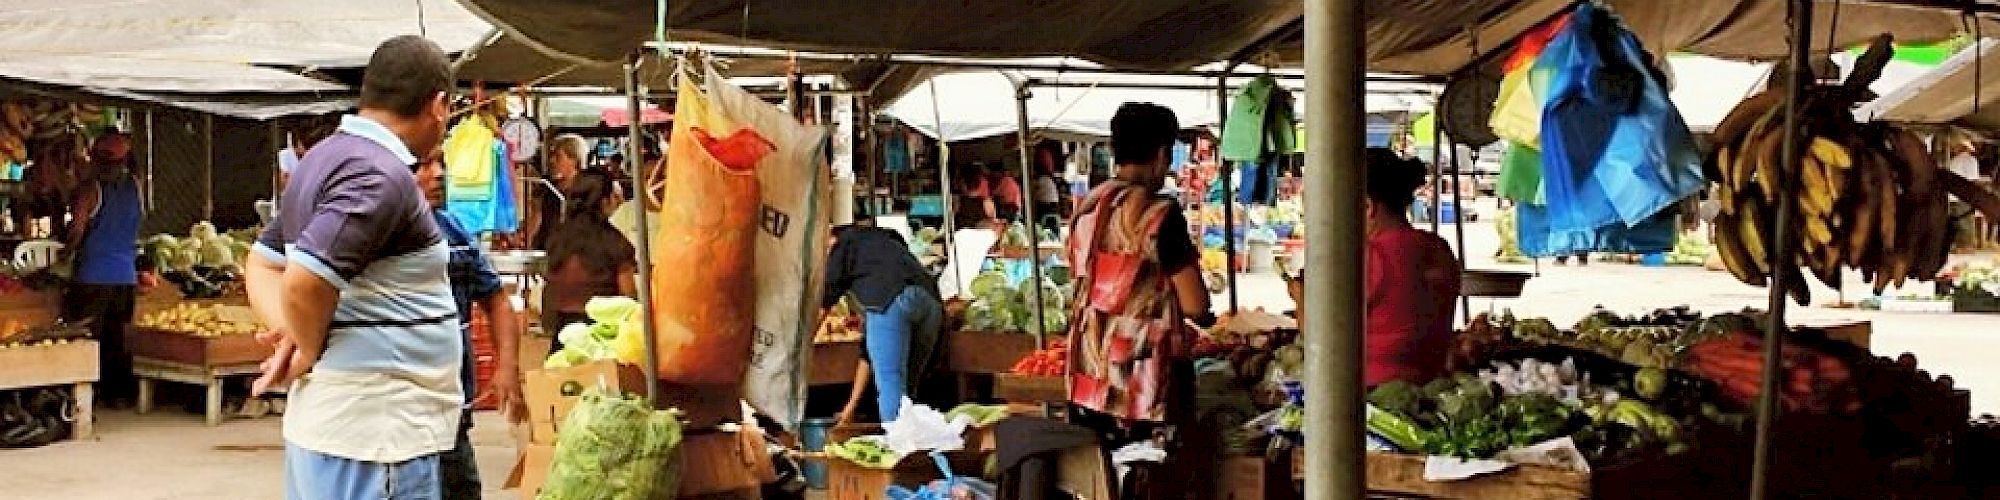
(23, 121)
(1869, 196)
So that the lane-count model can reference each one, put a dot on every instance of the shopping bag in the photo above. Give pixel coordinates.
(791, 240)
(615, 448)
(704, 275)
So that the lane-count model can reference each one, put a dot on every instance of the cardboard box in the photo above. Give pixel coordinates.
(531, 470)
(848, 481)
(1252, 478)
(551, 394)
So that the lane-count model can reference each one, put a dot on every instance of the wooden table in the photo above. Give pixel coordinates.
(149, 370)
(73, 364)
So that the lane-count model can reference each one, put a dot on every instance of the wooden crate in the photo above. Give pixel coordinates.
(833, 363)
(73, 364)
(46, 365)
(1022, 388)
(187, 349)
(30, 307)
(984, 352)
(1403, 475)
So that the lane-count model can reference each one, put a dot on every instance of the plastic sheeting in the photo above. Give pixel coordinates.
(1430, 37)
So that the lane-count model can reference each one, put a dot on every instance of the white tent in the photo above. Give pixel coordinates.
(210, 45)
(1964, 90)
(1706, 88)
(975, 105)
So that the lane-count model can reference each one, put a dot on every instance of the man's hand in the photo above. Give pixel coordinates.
(505, 391)
(277, 367)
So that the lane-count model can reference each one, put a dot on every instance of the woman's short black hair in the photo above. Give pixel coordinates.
(1141, 131)
(404, 74)
(1393, 180)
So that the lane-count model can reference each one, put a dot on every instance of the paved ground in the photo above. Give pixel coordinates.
(171, 455)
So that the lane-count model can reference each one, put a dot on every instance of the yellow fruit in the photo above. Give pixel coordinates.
(1831, 153)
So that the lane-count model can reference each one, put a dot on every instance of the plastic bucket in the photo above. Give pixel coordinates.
(812, 434)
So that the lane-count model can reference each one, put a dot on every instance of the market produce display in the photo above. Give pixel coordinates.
(204, 263)
(842, 324)
(866, 451)
(979, 415)
(613, 333)
(23, 121)
(1656, 340)
(1050, 362)
(1812, 381)
(1870, 196)
(615, 447)
(203, 320)
(1000, 306)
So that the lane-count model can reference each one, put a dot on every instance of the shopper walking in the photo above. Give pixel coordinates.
(474, 283)
(588, 256)
(901, 313)
(352, 279)
(1048, 201)
(103, 243)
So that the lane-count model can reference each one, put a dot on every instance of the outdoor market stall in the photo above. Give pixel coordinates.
(1320, 213)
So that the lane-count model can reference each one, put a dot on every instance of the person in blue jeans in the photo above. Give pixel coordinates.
(901, 312)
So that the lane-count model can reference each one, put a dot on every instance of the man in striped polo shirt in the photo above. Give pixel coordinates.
(351, 276)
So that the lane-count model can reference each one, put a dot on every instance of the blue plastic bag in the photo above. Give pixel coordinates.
(949, 488)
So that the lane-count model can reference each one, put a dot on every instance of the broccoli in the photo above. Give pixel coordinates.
(1396, 397)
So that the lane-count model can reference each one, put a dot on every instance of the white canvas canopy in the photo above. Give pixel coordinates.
(1706, 88)
(980, 104)
(1965, 90)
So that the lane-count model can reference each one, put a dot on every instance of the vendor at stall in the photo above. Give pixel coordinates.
(566, 156)
(1412, 279)
(103, 238)
(588, 256)
(900, 310)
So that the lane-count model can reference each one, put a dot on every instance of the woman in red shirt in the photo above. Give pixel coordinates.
(1412, 280)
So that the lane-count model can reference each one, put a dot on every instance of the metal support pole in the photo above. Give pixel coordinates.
(1458, 218)
(1223, 174)
(1437, 175)
(208, 167)
(150, 161)
(1334, 463)
(945, 202)
(1780, 246)
(635, 162)
(1021, 95)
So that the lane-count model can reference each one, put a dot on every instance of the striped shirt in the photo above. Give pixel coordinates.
(387, 387)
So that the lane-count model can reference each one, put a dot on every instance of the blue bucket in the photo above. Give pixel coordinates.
(1655, 259)
(812, 434)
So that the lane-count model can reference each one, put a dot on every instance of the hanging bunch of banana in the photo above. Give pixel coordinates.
(1870, 197)
(16, 126)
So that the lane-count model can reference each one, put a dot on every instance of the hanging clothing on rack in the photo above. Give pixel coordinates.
(1261, 121)
(896, 153)
(496, 211)
(468, 160)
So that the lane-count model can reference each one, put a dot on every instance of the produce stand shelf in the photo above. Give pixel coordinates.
(203, 361)
(984, 352)
(1403, 475)
(150, 371)
(73, 364)
(30, 307)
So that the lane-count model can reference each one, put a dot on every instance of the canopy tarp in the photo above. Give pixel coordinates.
(210, 46)
(511, 60)
(980, 104)
(1427, 37)
(1965, 90)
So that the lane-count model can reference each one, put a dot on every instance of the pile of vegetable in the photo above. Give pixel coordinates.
(206, 321)
(979, 415)
(1050, 362)
(866, 451)
(201, 263)
(1813, 381)
(614, 447)
(613, 333)
(1521, 403)
(842, 324)
(1656, 340)
(998, 305)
